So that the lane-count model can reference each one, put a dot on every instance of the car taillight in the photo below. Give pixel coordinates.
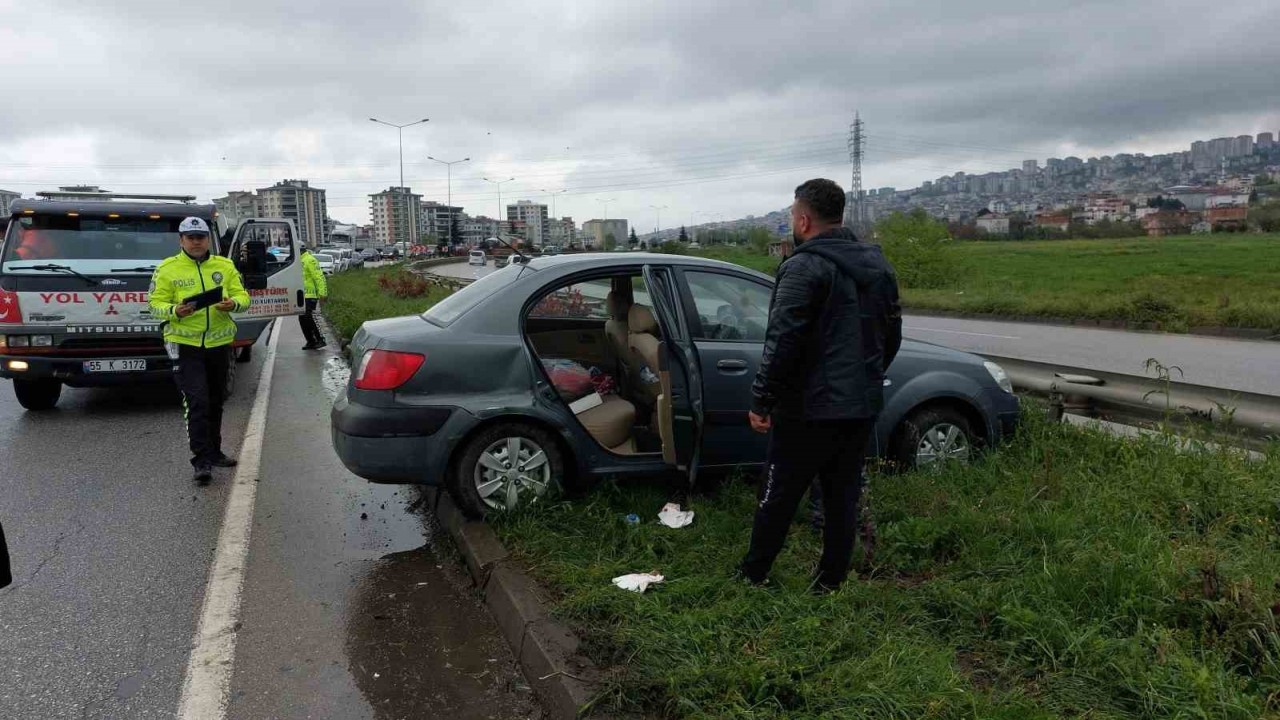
(386, 369)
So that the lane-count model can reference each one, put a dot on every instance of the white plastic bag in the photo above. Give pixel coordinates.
(673, 517)
(637, 582)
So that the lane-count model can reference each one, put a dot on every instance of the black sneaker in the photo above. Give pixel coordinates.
(223, 461)
(203, 475)
(311, 346)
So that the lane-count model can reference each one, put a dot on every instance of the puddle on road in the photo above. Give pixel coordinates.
(419, 644)
(334, 375)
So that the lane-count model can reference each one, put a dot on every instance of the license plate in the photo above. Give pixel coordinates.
(100, 366)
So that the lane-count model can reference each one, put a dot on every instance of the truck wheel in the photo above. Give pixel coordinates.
(244, 354)
(37, 394)
(230, 387)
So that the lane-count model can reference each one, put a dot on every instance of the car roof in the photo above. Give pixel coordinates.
(593, 261)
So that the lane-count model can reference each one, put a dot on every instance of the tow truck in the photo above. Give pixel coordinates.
(75, 274)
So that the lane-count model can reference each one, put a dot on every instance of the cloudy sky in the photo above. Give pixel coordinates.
(713, 108)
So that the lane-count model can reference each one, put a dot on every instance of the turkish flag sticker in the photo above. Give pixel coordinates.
(9, 310)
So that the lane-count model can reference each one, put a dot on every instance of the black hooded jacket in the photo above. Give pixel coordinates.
(835, 325)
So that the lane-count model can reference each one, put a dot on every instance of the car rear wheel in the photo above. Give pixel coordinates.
(934, 436)
(37, 394)
(504, 467)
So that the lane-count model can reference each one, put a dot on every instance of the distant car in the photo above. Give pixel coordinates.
(501, 261)
(387, 253)
(328, 265)
(369, 254)
(678, 340)
(476, 257)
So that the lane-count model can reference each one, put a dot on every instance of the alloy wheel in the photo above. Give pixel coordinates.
(512, 471)
(943, 442)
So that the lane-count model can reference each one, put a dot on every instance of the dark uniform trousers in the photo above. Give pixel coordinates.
(307, 321)
(834, 452)
(201, 374)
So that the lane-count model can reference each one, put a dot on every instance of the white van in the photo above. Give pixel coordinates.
(476, 258)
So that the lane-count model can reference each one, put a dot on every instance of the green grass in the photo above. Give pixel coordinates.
(1070, 574)
(354, 297)
(1175, 283)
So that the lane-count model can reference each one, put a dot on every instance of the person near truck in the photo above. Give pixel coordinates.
(198, 340)
(315, 288)
(835, 325)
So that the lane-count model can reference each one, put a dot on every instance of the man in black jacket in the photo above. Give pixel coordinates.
(835, 325)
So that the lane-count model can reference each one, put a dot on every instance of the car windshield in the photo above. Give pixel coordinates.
(454, 306)
(89, 243)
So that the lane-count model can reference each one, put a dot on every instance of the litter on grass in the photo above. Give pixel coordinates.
(637, 582)
(673, 517)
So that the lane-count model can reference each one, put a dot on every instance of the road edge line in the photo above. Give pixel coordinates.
(208, 677)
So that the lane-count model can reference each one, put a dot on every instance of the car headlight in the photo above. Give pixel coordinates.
(1000, 376)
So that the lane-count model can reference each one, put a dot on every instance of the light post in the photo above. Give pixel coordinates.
(449, 165)
(606, 202)
(657, 221)
(400, 130)
(499, 184)
(553, 194)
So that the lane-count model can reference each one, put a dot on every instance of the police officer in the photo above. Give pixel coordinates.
(316, 289)
(198, 339)
(835, 325)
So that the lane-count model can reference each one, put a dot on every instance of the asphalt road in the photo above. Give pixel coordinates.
(348, 608)
(1246, 365)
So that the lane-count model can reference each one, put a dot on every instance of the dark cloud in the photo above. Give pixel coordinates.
(719, 107)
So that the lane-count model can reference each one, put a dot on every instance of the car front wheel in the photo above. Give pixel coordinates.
(933, 436)
(504, 467)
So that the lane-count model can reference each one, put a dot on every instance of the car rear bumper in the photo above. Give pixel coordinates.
(70, 370)
(395, 445)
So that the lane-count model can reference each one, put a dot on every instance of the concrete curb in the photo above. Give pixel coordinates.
(548, 652)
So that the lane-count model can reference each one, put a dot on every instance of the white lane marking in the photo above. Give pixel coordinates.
(960, 332)
(208, 680)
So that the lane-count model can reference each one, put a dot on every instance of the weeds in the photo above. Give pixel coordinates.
(1067, 574)
(373, 293)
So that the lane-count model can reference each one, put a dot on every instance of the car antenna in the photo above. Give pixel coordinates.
(523, 258)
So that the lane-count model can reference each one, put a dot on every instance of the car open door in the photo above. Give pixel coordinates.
(680, 404)
(265, 250)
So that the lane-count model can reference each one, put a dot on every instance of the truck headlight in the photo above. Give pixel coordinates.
(19, 341)
(1000, 376)
(41, 341)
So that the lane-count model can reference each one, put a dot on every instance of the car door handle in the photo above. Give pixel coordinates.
(732, 365)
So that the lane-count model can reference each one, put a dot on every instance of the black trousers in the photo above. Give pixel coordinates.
(307, 321)
(6, 576)
(833, 451)
(201, 374)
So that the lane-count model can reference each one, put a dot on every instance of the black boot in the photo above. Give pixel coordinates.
(203, 475)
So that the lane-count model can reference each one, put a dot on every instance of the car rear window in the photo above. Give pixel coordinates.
(457, 304)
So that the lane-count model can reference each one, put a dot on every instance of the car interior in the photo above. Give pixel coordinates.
(600, 337)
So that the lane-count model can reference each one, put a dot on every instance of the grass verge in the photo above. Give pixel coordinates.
(355, 296)
(1175, 283)
(1070, 574)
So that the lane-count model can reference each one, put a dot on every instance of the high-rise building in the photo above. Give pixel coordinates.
(476, 230)
(1030, 166)
(296, 200)
(1265, 141)
(562, 231)
(596, 234)
(436, 219)
(237, 205)
(395, 216)
(534, 217)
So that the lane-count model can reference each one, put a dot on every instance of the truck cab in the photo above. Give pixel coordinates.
(75, 276)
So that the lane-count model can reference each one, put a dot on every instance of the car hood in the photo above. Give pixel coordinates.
(926, 349)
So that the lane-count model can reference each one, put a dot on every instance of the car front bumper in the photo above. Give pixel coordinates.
(396, 445)
(70, 370)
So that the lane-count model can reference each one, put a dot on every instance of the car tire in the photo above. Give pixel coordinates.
(37, 394)
(934, 433)
(478, 485)
(244, 354)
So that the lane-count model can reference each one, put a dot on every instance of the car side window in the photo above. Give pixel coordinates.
(728, 307)
(580, 300)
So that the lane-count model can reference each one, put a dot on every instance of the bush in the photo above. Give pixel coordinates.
(404, 284)
(920, 249)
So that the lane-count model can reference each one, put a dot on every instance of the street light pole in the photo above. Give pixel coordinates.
(449, 166)
(657, 223)
(606, 202)
(400, 131)
(499, 184)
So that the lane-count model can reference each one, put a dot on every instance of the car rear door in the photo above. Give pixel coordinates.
(678, 362)
(274, 281)
(727, 314)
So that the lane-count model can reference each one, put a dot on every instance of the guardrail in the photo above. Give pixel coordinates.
(1087, 391)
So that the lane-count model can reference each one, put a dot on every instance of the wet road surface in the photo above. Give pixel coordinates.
(341, 616)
